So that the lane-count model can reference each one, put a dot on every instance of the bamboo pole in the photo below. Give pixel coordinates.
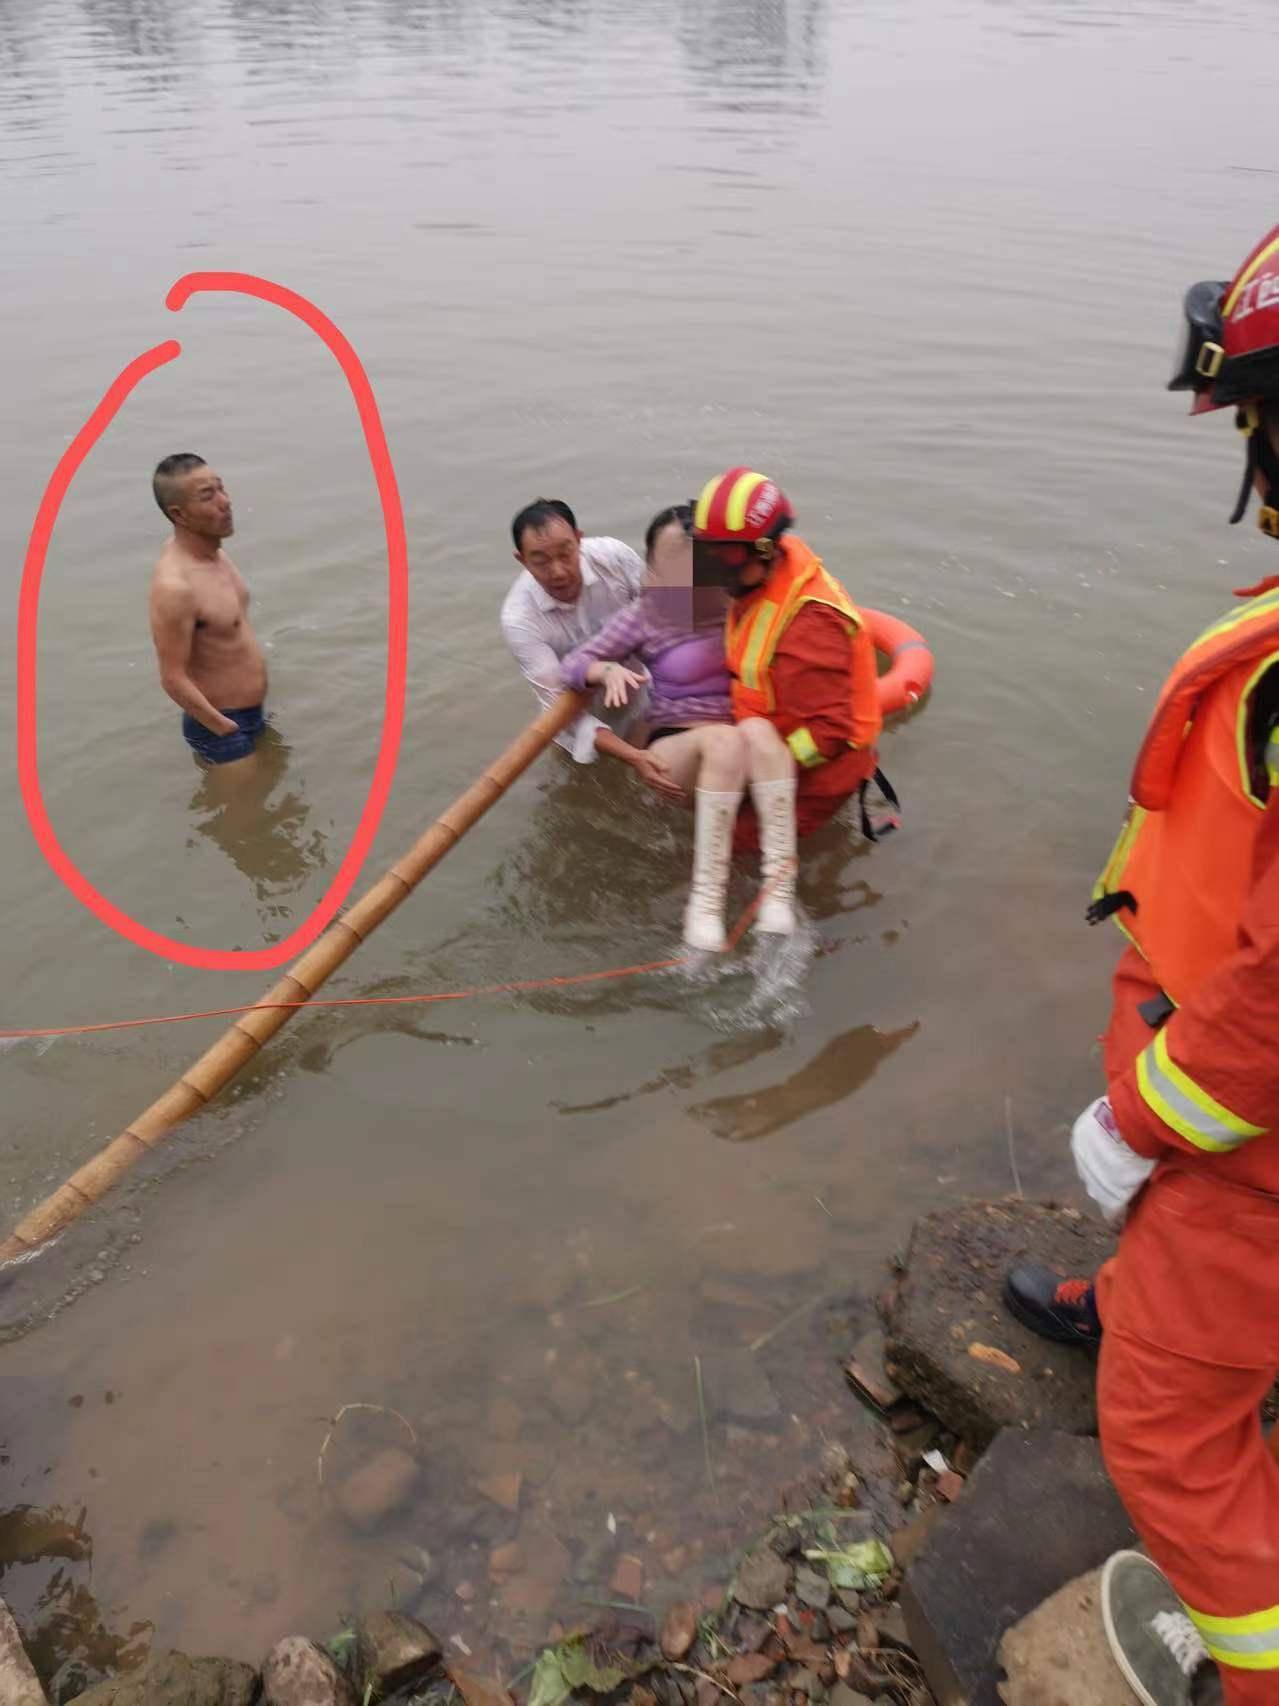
(233, 1050)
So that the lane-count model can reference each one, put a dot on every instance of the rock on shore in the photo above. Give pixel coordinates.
(946, 1315)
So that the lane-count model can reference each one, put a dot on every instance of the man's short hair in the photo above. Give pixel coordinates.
(164, 482)
(535, 516)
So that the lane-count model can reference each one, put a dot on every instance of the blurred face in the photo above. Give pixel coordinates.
(729, 563)
(670, 562)
(669, 582)
(552, 555)
(204, 505)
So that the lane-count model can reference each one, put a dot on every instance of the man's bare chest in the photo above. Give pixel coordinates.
(220, 607)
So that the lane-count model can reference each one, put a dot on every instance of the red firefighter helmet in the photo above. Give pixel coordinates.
(741, 506)
(1229, 357)
(1230, 353)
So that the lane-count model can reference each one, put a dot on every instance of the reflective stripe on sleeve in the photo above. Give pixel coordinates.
(1187, 1107)
(1247, 1643)
(1272, 759)
(804, 749)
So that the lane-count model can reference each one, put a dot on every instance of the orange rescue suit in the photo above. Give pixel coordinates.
(1185, 877)
(1190, 1305)
(1185, 854)
(755, 626)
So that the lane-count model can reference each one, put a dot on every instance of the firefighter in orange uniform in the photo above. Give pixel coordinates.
(1185, 1144)
(803, 675)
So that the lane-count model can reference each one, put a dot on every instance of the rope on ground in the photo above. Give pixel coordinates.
(513, 988)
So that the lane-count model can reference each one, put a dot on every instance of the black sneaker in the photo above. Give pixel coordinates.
(1064, 1310)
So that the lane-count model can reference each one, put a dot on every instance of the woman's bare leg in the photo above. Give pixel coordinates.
(768, 758)
(710, 756)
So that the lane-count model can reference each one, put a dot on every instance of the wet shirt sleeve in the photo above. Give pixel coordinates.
(1208, 1082)
(620, 558)
(541, 669)
(620, 636)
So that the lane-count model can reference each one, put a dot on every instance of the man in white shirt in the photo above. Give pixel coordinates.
(566, 591)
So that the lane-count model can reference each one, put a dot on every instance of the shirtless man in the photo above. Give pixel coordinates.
(210, 661)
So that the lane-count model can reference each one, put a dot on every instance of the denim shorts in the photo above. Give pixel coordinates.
(224, 749)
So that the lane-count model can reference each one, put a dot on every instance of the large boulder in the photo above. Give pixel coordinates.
(1059, 1655)
(296, 1673)
(954, 1347)
(173, 1679)
(1037, 1511)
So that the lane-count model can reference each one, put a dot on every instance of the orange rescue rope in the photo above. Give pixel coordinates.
(735, 936)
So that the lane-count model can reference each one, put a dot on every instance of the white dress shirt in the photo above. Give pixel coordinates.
(541, 630)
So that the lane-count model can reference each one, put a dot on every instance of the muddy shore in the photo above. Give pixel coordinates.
(897, 1567)
(804, 1615)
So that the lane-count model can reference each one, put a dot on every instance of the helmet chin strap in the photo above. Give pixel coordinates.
(1261, 459)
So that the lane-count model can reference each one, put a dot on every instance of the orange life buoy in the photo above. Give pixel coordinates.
(910, 671)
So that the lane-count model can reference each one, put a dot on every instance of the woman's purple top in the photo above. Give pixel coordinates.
(690, 682)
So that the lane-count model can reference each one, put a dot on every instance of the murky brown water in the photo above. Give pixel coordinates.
(920, 259)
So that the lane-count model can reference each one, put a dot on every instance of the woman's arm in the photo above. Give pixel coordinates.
(620, 636)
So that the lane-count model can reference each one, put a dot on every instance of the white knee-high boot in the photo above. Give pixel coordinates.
(714, 814)
(775, 809)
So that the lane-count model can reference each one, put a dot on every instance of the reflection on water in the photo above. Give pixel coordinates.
(739, 48)
(722, 1056)
(596, 850)
(266, 838)
(735, 51)
(838, 1069)
(147, 29)
(69, 1642)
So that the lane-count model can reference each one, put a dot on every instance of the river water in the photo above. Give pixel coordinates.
(922, 261)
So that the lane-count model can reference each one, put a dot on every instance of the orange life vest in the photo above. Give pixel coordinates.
(1180, 872)
(756, 624)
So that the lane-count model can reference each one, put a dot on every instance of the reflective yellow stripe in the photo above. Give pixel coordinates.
(1249, 1624)
(1242, 715)
(804, 749)
(1245, 278)
(1272, 759)
(1186, 1106)
(744, 489)
(1248, 1643)
(1236, 617)
(754, 638)
(761, 622)
(1111, 878)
